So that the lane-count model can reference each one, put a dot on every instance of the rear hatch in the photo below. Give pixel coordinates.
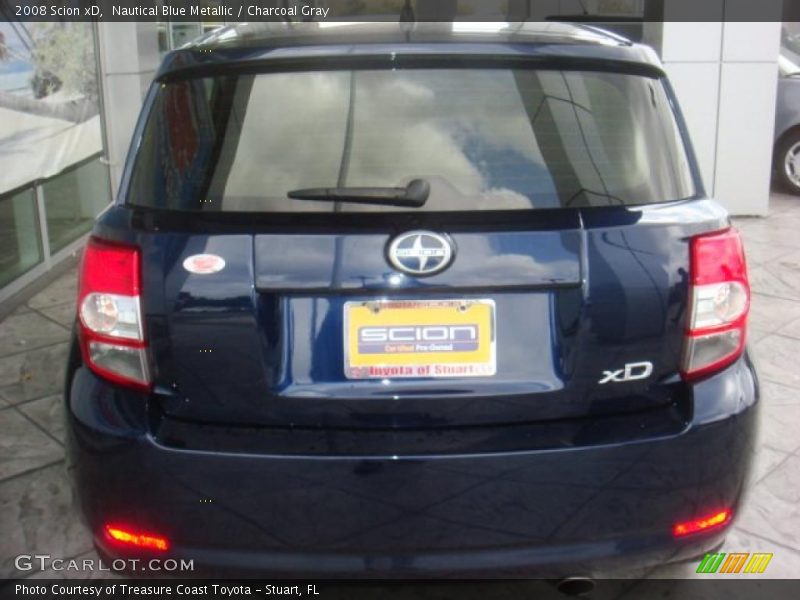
(544, 276)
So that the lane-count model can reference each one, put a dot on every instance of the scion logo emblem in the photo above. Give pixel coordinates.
(420, 253)
(631, 372)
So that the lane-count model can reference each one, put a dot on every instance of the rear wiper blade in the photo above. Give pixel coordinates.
(415, 194)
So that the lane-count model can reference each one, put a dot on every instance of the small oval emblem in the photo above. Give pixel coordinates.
(204, 264)
(420, 253)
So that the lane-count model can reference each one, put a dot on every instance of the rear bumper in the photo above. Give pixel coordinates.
(558, 512)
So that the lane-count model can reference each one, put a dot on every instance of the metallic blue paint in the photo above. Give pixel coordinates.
(606, 289)
(577, 507)
(539, 468)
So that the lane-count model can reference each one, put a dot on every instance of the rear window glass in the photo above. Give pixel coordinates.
(484, 139)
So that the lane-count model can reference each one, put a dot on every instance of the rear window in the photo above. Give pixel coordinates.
(484, 139)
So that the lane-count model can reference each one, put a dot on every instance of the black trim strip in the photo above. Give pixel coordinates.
(408, 61)
(552, 219)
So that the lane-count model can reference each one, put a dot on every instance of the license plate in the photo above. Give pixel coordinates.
(419, 338)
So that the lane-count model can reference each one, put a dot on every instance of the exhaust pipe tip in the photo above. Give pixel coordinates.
(575, 586)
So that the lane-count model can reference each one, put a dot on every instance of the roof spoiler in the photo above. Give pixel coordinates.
(622, 29)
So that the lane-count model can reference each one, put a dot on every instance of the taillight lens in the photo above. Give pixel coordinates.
(109, 312)
(719, 300)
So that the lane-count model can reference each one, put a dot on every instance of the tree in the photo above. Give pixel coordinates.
(63, 58)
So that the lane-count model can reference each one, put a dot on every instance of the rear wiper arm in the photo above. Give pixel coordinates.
(414, 194)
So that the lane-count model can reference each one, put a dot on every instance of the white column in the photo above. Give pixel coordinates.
(748, 89)
(129, 58)
(725, 77)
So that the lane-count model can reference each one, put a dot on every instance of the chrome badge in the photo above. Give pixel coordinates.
(631, 372)
(420, 253)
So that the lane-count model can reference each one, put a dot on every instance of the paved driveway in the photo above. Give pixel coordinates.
(37, 514)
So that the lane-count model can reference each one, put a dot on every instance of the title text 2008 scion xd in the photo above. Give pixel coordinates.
(411, 300)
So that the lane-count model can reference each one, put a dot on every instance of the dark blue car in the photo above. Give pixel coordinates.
(412, 300)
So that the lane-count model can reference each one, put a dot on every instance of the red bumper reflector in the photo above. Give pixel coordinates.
(146, 541)
(705, 523)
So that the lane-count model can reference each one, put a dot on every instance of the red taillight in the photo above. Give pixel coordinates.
(109, 312)
(125, 536)
(719, 300)
(110, 267)
(708, 522)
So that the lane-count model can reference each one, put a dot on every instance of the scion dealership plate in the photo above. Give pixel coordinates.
(419, 338)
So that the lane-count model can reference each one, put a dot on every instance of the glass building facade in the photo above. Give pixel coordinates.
(54, 179)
